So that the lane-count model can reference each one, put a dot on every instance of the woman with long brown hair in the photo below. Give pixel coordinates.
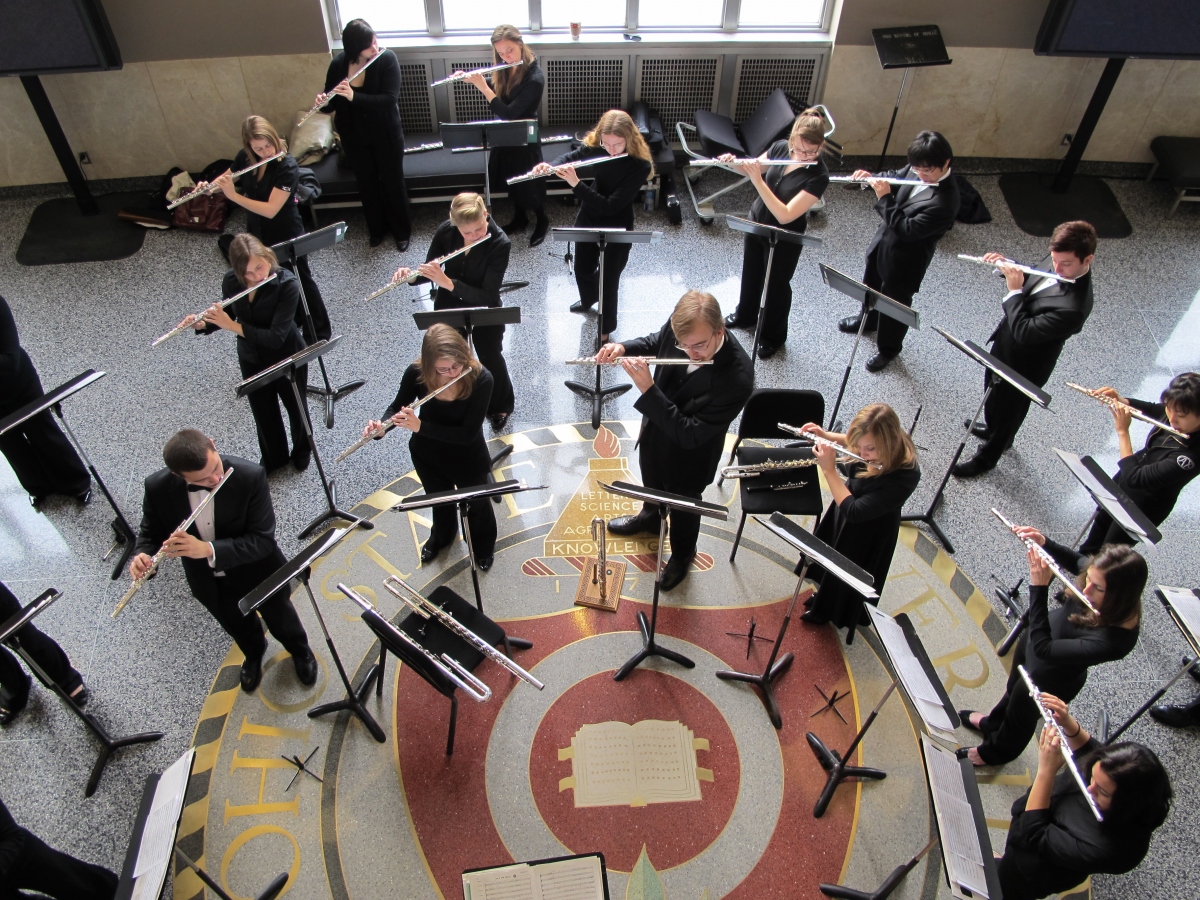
(785, 195)
(516, 93)
(863, 521)
(447, 445)
(607, 203)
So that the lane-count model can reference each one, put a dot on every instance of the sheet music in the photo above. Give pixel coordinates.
(158, 836)
(960, 840)
(574, 878)
(1186, 605)
(912, 675)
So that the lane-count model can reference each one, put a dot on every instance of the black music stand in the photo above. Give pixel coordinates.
(999, 372)
(462, 500)
(666, 502)
(123, 533)
(774, 236)
(602, 237)
(270, 892)
(889, 884)
(487, 135)
(913, 647)
(812, 549)
(907, 48)
(111, 744)
(289, 252)
(300, 566)
(871, 301)
(286, 368)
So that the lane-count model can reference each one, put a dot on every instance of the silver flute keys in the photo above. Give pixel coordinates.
(180, 329)
(440, 261)
(211, 187)
(462, 76)
(389, 424)
(329, 96)
(825, 442)
(1028, 270)
(1114, 403)
(530, 176)
(1067, 580)
(850, 179)
(671, 361)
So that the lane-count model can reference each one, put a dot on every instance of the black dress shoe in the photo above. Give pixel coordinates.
(813, 618)
(539, 232)
(964, 716)
(675, 571)
(36, 501)
(301, 457)
(306, 668)
(8, 715)
(516, 226)
(979, 429)
(578, 307)
(976, 465)
(499, 420)
(639, 524)
(732, 321)
(1177, 716)
(879, 361)
(80, 699)
(84, 497)
(485, 563)
(376, 241)
(251, 673)
(961, 752)
(766, 351)
(850, 324)
(429, 552)
(402, 244)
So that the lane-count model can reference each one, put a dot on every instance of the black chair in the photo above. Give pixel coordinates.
(800, 494)
(439, 639)
(767, 407)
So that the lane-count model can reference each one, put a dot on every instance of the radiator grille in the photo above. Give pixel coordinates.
(469, 105)
(758, 77)
(578, 91)
(415, 110)
(676, 88)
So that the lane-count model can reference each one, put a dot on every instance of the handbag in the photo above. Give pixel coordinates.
(204, 213)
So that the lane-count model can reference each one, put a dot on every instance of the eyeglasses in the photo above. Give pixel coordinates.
(695, 348)
(453, 370)
(805, 153)
(613, 146)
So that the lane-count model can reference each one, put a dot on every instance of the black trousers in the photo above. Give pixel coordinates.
(480, 517)
(1003, 413)
(264, 405)
(39, 867)
(1105, 531)
(489, 348)
(14, 683)
(43, 458)
(247, 631)
(379, 171)
(587, 278)
(316, 304)
(1013, 885)
(683, 529)
(779, 289)
(889, 337)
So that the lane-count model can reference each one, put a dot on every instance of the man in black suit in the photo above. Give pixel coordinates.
(40, 454)
(1040, 313)
(228, 551)
(914, 220)
(686, 412)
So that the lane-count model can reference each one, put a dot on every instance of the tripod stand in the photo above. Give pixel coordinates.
(812, 550)
(602, 237)
(773, 236)
(487, 135)
(300, 566)
(287, 369)
(289, 252)
(666, 503)
(8, 631)
(999, 372)
(123, 534)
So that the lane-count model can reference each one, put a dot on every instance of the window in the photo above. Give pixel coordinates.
(596, 14)
(385, 16)
(684, 14)
(793, 14)
(482, 15)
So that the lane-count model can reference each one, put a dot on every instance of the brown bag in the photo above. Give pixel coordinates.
(204, 213)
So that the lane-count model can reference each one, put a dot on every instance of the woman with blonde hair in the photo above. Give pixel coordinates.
(607, 203)
(863, 521)
(268, 194)
(785, 195)
(472, 279)
(516, 93)
(447, 446)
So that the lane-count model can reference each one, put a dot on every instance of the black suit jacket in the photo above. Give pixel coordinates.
(1035, 326)
(904, 243)
(687, 416)
(477, 274)
(243, 522)
(1154, 475)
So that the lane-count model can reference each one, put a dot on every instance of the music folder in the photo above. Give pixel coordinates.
(475, 316)
(674, 501)
(915, 671)
(1109, 497)
(152, 843)
(820, 553)
(581, 877)
(27, 614)
(53, 398)
(1184, 606)
(871, 298)
(967, 859)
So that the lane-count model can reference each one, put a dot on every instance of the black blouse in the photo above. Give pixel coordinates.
(814, 179)
(19, 382)
(526, 97)
(375, 110)
(268, 322)
(477, 274)
(451, 432)
(283, 173)
(608, 203)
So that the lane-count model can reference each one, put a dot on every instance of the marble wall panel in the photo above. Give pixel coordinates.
(203, 102)
(25, 154)
(860, 95)
(1177, 111)
(1134, 98)
(281, 86)
(952, 99)
(1029, 110)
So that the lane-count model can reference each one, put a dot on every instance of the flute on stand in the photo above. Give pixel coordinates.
(530, 176)
(1012, 263)
(320, 105)
(389, 424)
(212, 188)
(1067, 580)
(672, 361)
(1114, 403)
(440, 261)
(462, 76)
(826, 442)
(180, 329)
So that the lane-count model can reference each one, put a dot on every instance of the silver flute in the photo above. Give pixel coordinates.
(326, 97)
(826, 442)
(462, 76)
(1067, 580)
(180, 329)
(414, 275)
(1012, 263)
(139, 583)
(389, 424)
(531, 176)
(771, 465)
(761, 162)
(786, 486)
(1114, 403)
(650, 361)
(850, 179)
(1063, 744)
(211, 187)
(427, 609)
(450, 667)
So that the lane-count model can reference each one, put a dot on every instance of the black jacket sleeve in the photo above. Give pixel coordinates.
(487, 292)
(914, 224)
(282, 318)
(621, 196)
(405, 395)
(152, 530)
(258, 540)
(338, 67)
(1031, 327)
(1096, 646)
(471, 428)
(524, 102)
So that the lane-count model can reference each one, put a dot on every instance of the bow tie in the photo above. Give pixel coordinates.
(192, 488)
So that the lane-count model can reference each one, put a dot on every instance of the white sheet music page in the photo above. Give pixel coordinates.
(912, 675)
(577, 878)
(1186, 605)
(956, 822)
(158, 836)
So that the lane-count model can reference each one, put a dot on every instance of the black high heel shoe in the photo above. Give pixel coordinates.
(430, 552)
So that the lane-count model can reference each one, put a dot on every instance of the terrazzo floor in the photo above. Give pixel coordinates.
(1143, 331)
